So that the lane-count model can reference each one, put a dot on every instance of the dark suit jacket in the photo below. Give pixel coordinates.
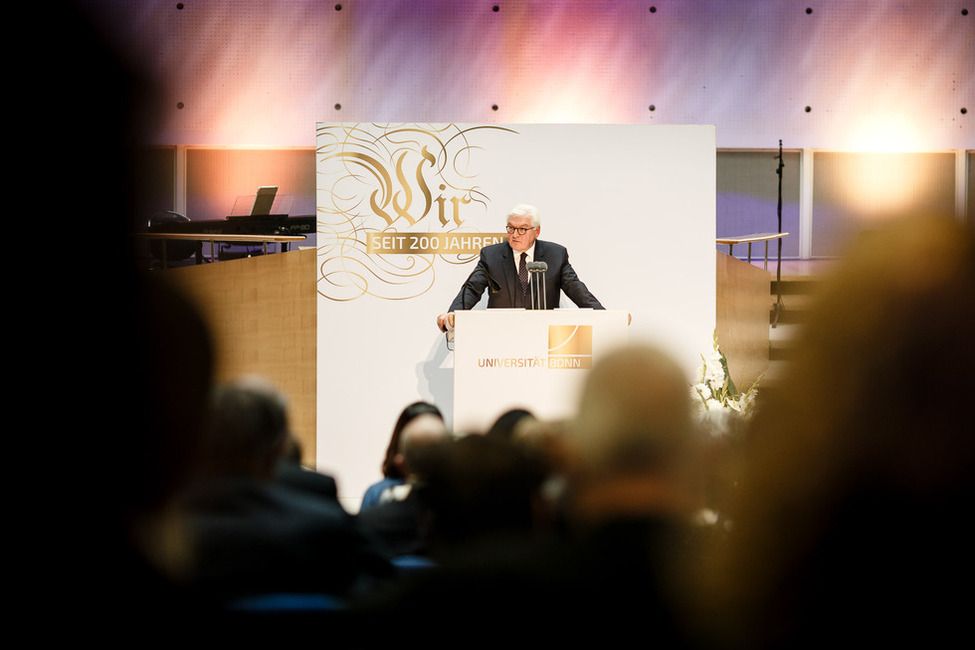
(293, 474)
(496, 269)
(254, 537)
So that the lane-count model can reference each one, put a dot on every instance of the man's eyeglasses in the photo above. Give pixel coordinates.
(521, 231)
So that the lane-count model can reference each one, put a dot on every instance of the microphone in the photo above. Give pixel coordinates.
(536, 282)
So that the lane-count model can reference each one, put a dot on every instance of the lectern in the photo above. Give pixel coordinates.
(508, 358)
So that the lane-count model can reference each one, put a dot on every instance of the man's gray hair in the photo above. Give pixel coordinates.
(525, 210)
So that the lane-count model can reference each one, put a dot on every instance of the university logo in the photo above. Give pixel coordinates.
(393, 201)
(570, 346)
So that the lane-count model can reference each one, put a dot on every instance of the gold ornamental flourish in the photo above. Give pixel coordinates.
(379, 187)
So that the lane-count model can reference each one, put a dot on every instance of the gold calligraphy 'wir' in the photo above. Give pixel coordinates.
(402, 207)
(387, 195)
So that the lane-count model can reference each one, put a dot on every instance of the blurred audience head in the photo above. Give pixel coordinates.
(393, 461)
(631, 444)
(506, 426)
(247, 430)
(859, 464)
(480, 487)
(417, 438)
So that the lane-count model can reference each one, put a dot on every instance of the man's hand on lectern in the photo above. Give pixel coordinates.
(445, 320)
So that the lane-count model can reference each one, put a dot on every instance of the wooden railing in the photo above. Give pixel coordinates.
(766, 237)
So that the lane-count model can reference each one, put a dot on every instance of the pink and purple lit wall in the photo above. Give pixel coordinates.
(822, 76)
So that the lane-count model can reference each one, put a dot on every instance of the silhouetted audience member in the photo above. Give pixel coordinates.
(850, 524)
(633, 488)
(480, 490)
(506, 425)
(131, 356)
(392, 467)
(250, 535)
(398, 524)
(616, 572)
(291, 471)
(162, 407)
(545, 439)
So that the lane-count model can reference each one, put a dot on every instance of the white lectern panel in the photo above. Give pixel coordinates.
(508, 358)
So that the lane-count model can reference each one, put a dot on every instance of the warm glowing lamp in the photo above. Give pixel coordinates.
(882, 181)
(885, 133)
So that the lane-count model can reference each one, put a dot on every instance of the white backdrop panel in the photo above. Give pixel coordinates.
(634, 205)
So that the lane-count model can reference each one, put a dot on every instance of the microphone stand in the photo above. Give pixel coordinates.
(778, 307)
(536, 282)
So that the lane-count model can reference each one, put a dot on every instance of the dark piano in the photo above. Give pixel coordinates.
(267, 225)
(272, 224)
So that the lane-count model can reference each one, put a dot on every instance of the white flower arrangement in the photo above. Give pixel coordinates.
(717, 396)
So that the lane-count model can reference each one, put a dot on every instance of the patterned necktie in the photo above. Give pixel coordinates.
(523, 273)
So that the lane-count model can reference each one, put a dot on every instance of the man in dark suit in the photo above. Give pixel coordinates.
(247, 532)
(503, 268)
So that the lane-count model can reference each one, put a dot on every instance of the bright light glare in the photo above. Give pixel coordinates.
(883, 184)
(880, 181)
(885, 133)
